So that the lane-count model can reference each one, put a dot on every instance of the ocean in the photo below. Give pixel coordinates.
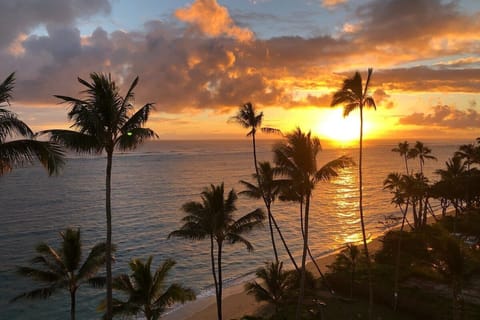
(149, 187)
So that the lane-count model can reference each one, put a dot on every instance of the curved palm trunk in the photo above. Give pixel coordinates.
(72, 305)
(219, 298)
(310, 254)
(108, 247)
(304, 257)
(364, 235)
(212, 259)
(264, 199)
(284, 242)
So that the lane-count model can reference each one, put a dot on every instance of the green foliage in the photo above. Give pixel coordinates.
(60, 269)
(147, 292)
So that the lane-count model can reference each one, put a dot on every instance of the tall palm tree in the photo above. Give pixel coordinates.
(61, 269)
(354, 95)
(269, 190)
(19, 152)
(213, 218)
(296, 159)
(403, 149)
(248, 118)
(421, 152)
(106, 121)
(146, 293)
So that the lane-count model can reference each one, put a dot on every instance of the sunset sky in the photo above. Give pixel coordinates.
(199, 60)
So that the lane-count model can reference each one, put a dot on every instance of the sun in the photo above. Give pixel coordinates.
(342, 130)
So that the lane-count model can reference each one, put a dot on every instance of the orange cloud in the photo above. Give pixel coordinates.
(332, 3)
(213, 20)
(444, 116)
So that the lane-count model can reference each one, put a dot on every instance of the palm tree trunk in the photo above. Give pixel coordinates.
(272, 235)
(108, 247)
(304, 257)
(362, 221)
(406, 162)
(72, 305)
(212, 259)
(284, 242)
(397, 259)
(311, 256)
(263, 196)
(219, 298)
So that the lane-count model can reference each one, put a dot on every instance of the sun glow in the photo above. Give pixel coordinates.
(333, 126)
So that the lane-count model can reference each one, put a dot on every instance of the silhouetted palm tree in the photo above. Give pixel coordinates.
(105, 121)
(274, 287)
(269, 189)
(403, 149)
(147, 293)
(296, 159)
(421, 152)
(19, 152)
(61, 269)
(249, 119)
(213, 218)
(470, 153)
(353, 95)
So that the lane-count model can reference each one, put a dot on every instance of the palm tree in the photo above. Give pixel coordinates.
(275, 285)
(213, 218)
(249, 119)
(269, 190)
(421, 152)
(296, 159)
(106, 121)
(403, 149)
(146, 293)
(19, 152)
(469, 152)
(60, 268)
(353, 95)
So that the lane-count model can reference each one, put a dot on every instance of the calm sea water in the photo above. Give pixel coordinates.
(149, 187)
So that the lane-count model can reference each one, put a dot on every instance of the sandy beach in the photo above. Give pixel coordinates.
(236, 303)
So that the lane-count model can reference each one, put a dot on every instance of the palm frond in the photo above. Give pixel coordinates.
(97, 282)
(11, 125)
(234, 238)
(134, 137)
(41, 293)
(6, 88)
(77, 141)
(330, 169)
(95, 260)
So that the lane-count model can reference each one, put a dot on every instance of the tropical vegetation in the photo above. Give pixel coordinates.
(354, 96)
(18, 152)
(213, 218)
(147, 293)
(106, 121)
(61, 269)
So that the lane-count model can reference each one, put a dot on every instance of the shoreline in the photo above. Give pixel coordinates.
(236, 303)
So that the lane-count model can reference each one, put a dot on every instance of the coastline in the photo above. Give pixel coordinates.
(236, 303)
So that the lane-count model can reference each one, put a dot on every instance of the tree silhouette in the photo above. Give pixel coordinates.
(296, 159)
(148, 293)
(60, 268)
(353, 95)
(19, 152)
(248, 118)
(213, 218)
(105, 121)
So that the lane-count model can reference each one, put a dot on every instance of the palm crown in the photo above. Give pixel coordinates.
(147, 293)
(18, 152)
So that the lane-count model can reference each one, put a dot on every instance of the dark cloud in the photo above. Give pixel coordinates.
(424, 78)
(22, 16)
(444, 116)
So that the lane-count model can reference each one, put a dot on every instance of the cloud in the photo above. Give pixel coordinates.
(212, 20)
(19, 17)
(382, 98)
(424, 29)
(332, 3)
(444, 116)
